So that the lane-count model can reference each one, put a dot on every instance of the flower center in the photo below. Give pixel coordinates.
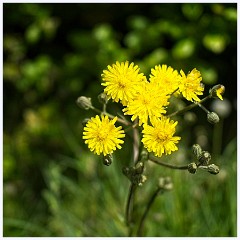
(101, 136)
(161, 137)
(121, 84)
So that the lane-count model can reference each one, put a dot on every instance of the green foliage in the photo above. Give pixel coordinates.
(54, 53)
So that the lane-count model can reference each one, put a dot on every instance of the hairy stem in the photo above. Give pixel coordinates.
(155, 160)
(189, 107)
(150, 202)
(129, 207)
(129, 204)
(136, 144)
(120, 120)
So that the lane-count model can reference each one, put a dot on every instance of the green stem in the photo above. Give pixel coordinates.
(136, 144)
(129, 204)
(104, 108)
(189, 107)
(154, 159)
(151, 200)
(120, 120)
(217, 138)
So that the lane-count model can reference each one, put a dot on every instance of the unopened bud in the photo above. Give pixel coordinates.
(139, 168)
(192, 167)
(84, 102)
(126, 171)
(107, 160)
(141, 180)
(213, 169)
(197, 150)
(102, 98)
(212, 117)
(144, 155)
(204, 158)
(217, 91)
(165, 183)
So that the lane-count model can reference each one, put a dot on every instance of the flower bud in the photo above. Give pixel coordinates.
(102, 98)
(141, 180)
(107, 160)
(212, 117)
(165, 183)
(217, 91)
(192, 167)
(126, 171)
(139, 168)
(213, 169)
(204, 158)
(197, 150)
(144, 155)
(84, 102)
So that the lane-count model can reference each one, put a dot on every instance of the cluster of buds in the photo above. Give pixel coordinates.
(135, 174)
(203, 159)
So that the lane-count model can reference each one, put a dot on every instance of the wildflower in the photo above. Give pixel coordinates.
(102, 136)
(220, 91)
(190, 85)
(159, 138)
(165, 77)
(84, 102)
(217, 91)
(212, 117)
(122, 81)
(148, 104)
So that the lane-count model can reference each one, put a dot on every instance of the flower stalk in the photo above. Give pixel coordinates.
(151, 129)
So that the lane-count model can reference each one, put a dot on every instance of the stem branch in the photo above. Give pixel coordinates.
(189, 107)
(129, 204)
(151, 200)
(120, 120)
(154, 159)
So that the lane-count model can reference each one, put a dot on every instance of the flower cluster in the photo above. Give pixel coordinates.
(146, 102)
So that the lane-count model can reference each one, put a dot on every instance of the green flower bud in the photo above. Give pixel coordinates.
(197, 150)
(127, 172)
(84, 102)
(204, 158)
(213, 169)
(144, 155)
(165, 183)
(192, 167)
(217, 91)
(107, 160)
(102, 98)
(212, 117)
(139, 168)
(141, 180)
(134, 174)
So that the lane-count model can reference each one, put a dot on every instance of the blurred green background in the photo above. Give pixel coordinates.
(53, 53)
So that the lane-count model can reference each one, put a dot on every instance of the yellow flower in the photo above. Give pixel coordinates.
(122, 81)
(159, 138)
(220, 91)
(190, 85)
(102, 136)
(165, 77)
(148, 104)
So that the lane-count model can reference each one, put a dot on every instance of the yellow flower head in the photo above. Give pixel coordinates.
(190, 85)
(159, 138)
(148, 104)
(102, 136)
(122, 81)
(165, 77)
(220, 91)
